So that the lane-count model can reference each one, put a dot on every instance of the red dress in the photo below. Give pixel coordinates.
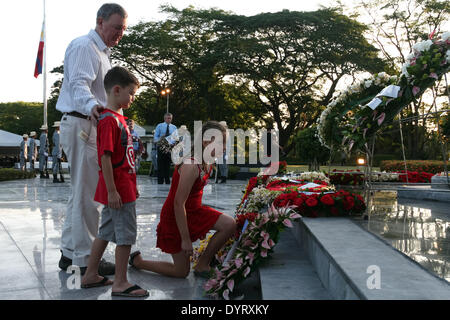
(200, 219)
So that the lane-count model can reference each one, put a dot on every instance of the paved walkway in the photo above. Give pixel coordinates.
(31, 218)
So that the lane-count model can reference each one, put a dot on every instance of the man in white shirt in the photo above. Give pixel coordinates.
(82, 97)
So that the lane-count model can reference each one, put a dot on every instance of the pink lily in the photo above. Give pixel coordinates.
(230, 285)
(248, 243)
(264, 253)
(246, 272)
(381, 118)
(288, 223)
(250, 256)
(226, 294)
(238, 263)
(295, 215)
(210, 284)
(433, 75)
(265, 235)
(415, 90)
(265, 244)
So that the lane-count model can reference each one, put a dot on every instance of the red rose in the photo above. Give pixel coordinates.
(327, 200)
(349, 202)
(312, 202)
(298, 202)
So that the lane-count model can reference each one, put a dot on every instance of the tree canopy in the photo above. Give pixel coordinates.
(272, 69)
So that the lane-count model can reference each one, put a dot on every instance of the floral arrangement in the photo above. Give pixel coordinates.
(357, 177)
(428, 61)
(415, 177)
(333, 125)
(431, 166)
(269, 205)
(354, 178)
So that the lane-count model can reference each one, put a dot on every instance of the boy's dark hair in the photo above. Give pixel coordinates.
(119, 76)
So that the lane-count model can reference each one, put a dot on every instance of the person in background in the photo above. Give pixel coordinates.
(82, 98)
(163, 130)
(56, 155)
(24, 153)
(43, 153)
(33, 150)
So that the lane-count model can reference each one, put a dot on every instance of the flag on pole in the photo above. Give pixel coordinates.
(40, 54)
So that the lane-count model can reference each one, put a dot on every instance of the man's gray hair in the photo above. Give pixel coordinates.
(168, 114)
(108, 9)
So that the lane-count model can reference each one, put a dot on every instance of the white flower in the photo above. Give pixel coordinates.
(423, 46)
(447, 56)
(404, 70)
(368, 83)
(445, 36)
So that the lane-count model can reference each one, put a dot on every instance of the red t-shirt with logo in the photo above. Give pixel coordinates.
(109, 139)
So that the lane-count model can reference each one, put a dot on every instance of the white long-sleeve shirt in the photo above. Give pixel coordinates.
(86, 62)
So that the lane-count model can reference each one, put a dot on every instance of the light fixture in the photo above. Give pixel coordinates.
(361, 161)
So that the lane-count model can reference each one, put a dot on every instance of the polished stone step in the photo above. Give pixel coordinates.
(350, 260)
(289, 275)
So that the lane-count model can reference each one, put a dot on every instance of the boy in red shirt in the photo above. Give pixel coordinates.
(116, 187)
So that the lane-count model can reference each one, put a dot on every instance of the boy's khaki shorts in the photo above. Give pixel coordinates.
(119, 225)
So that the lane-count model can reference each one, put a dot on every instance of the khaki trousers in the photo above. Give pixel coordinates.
(79, 142)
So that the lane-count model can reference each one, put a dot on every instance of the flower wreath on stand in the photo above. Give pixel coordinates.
(333, 125)
(428, 62)
(269, 205)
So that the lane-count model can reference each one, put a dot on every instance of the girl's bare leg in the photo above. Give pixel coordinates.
(226, 227)
(179, 268)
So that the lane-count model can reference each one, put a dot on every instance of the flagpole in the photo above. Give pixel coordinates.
(45, 69)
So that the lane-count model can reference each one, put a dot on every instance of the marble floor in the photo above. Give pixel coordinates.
(31, 218)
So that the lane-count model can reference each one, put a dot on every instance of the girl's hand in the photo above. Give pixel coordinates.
(137, 193)
(114, 200)
(186, 247)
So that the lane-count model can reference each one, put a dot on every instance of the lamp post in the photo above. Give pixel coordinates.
(166, 92)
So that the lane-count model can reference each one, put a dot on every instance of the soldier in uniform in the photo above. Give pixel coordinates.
(56, 155)
(43, 152)
(33, 150)
(24, 153)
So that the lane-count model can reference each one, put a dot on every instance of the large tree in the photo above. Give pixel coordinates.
(293, 61)
(277, 68)
(180, 53)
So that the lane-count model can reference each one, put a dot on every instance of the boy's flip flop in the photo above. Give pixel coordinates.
(127, 293)
(101, 283)
(132, 256)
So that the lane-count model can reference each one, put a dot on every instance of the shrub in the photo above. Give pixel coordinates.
(430, 166)
(14, 174)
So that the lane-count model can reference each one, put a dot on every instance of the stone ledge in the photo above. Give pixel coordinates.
(424, 194)
(341, 253)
